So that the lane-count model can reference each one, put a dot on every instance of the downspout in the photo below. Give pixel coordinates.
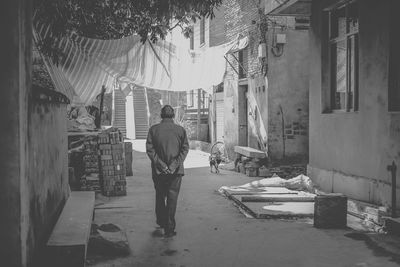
(283, 133)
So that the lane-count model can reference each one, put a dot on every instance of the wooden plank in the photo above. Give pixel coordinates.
(73, 225)
(278, 198)
(250, 152)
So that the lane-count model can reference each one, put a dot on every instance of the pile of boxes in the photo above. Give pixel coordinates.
(90, 180)
(112, 163)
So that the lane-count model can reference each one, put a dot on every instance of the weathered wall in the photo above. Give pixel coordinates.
(287, 95)
(231, 132)
(34, 162)
(15, 68)
(48, 170)
(349, 152)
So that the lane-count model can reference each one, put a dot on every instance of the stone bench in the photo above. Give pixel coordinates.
(250, 152)
(68, 241)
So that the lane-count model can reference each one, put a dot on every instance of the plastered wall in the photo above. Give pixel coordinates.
(47, 179)
(357, 146)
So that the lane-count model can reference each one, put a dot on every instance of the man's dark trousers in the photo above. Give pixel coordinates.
(167, 190)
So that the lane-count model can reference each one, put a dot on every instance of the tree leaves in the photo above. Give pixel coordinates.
(114, 19)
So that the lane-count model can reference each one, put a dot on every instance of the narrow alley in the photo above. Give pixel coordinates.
(213, 232)
(115, 113)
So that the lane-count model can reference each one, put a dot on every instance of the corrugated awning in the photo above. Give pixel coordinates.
(288, 7)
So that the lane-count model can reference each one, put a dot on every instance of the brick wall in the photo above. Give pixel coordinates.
(217, 27)
(241, 17)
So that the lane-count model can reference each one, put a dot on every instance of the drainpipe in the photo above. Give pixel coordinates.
(283, 133)
(393, 168)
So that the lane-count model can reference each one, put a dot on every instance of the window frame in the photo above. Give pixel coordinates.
(202, 31)
(242, 60)
(347, 37)
(191, 39)
(191, 98)
(393, 94)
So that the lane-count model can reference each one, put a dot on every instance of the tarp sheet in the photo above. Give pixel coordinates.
(91, 63)
(300, 183)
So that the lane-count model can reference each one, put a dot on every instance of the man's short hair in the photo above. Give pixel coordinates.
(167, 112)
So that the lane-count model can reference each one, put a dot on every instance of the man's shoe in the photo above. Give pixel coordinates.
(169, 234)
(161, 225)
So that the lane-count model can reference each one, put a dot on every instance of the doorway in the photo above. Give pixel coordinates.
(242, 115)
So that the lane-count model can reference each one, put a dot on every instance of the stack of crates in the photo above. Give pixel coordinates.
(112, 163)
(90, 180)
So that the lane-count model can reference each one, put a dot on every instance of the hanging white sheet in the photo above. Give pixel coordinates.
(91, 63)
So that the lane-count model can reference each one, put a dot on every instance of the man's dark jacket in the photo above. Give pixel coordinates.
(167, 146)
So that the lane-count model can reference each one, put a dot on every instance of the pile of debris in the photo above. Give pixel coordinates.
(285, 171)
(255, 167)
(79, 119)
(254, 163)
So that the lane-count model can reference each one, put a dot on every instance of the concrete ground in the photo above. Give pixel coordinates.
(213, 232)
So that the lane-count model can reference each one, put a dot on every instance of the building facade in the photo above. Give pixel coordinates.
(206, 33)
(354, 95)
(266, 82)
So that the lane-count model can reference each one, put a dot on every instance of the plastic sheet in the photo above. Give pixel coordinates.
(298, 183)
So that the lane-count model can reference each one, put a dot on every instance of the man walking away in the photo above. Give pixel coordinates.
(167, 147)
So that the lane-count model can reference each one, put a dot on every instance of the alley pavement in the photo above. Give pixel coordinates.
(211, 231)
